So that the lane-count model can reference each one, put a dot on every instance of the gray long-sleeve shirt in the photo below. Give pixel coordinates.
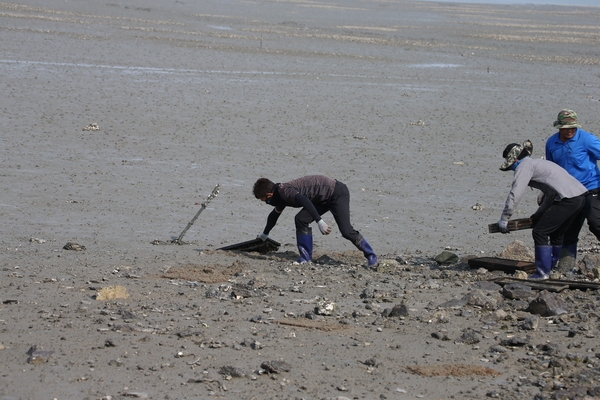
(550, 178)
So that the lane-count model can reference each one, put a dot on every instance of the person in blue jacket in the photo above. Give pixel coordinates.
(315, 194)
(578, 152)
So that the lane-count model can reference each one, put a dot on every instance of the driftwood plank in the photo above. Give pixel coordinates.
(501, 264)
(513, 225)
(552, 285)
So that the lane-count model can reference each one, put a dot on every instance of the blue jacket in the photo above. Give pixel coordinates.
(578, 155)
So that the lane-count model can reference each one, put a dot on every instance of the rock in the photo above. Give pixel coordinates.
(440, 336)
(590, 263)
(454, 303)
(325, 307)
(530, 323)
(469, 336)
(73, 246)
(137, 395)
(514, 342)
(516, 291)
(517, 251)
(566, 261)
(399, 310)
(547, 304)
(387, 265)
(494, 317)
(446, 258)
(367, 293)
(234, 372)
(498, 349)
(275, 367)
(487, 286)
(521, 274)
(594, 391)
(242, 293)
(480, 299)
(38, 356)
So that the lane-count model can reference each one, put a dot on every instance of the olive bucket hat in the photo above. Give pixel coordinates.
(566, 119)
(513, 151)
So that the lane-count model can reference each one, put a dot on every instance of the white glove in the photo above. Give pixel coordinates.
(503, 226)
(262, 237)
(323, 227)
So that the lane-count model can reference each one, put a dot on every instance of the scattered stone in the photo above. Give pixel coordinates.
(92, 127)
(515, 291)
(469, 336)
(530, 323)
(498, 349)
(275, 367)
(234, 372)
(38, 356)
(547, 304)
(399, 310)
(112, 293)
(241, 293)
(117, 362)
(73, 246)
(325, 307)
(487, 286)
(440, 336)
(454, 303)
(514, 342)
(387, 265)
(517, 251)
(494, 317)
(477, 207)
(590, 263)
(253, 344)
(521, 274)
(566, 261)
(371, 362)
(480, 299)
(446, 258)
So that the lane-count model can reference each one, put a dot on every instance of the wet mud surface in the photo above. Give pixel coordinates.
(119, 118)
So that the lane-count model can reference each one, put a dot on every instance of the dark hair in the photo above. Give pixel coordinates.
(263, 186)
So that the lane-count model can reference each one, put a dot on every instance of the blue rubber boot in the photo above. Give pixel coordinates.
(543, 262)
(365, 247)
(304, 240)
(571, 250)
(555, 256)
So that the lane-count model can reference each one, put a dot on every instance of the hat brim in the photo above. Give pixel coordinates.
(514, 153)
(567, 126)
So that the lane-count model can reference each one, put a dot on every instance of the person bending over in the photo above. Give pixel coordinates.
(315, 195)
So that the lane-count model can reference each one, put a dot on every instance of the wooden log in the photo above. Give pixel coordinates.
(552, 285)
(513, 225)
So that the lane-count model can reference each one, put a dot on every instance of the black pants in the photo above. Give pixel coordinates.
(552, 225)
(339, 205)
(591, 212)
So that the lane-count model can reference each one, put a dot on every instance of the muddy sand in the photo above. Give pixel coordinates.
(119, 119)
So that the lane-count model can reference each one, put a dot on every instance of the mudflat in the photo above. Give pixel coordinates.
(120, 118)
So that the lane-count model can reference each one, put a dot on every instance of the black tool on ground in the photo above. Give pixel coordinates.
(256, 245)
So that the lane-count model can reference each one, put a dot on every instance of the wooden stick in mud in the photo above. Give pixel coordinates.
(211, 196)
(513, 225)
